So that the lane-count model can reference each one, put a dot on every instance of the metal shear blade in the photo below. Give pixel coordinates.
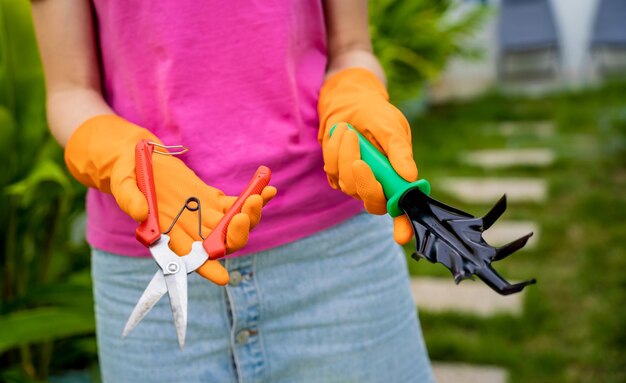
(171, 279)
(177, 290)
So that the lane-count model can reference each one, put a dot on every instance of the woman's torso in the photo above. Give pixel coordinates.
(237, 83)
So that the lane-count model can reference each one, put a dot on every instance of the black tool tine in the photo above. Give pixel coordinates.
(517, 287)
(496, 211)
(506, 250)
(416, 256)
(452, 237)
(494, 280)
(457, 270)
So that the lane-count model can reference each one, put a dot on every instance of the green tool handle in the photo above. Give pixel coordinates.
(394, 186)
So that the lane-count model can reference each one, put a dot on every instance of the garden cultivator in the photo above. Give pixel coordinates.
(453, 238)
(444, 234)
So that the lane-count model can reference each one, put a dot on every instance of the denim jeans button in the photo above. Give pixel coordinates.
(242, 336)
(235, 278)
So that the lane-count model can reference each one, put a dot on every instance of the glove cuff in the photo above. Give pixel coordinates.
(343, 86)
(354, 80)
(97, 144)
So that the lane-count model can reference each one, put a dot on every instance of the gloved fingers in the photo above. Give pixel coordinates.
(332, 182)
(389, 124)
(226, 201)
(400, 154)
(402, 230)
(369, 189)
(348, 153)
(127, 195)
(214, 271)
(268, 193)
(210, 219)
(330, 151)
(391, 134)
(252, 208)
(237, 232)
(180, 241)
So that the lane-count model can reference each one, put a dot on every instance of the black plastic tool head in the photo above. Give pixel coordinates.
(452, 237)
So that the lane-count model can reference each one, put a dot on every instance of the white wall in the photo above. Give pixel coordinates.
(574, 20)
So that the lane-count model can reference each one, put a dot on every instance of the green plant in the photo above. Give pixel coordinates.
(612, 129)
(46, 305)
(414, 40)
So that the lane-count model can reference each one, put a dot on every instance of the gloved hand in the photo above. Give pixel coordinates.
(356, 96)
(101, 154)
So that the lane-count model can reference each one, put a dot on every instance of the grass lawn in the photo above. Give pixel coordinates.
(573, 328)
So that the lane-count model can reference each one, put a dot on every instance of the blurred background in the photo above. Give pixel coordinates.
(526, 97)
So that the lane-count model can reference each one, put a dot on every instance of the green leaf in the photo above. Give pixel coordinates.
(7, 129)
(61, 295)
(16, 375)
(81, 278)
(45, 171)
(7, 142)
(43, 324)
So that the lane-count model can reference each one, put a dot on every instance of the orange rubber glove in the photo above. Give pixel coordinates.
(101, 154)
(358, 97)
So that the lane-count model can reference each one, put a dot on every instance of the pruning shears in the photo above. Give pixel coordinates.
(171, 278)
(443, 234)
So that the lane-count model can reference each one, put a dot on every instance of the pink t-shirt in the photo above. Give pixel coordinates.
(235, 81)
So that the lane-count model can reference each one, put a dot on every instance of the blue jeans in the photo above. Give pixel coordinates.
(333, 307)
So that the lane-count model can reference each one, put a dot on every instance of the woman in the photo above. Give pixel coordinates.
(320, 293)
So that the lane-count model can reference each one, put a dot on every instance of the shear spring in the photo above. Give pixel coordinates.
(191, 204)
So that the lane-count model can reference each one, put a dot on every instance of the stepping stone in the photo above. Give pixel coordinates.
(489, 190)
(503, 232)
(493, 159)
(469, 297)
(468, 373)
(538, 128)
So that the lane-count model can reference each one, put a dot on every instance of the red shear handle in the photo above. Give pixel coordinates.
(148, 231)
(215, 243)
